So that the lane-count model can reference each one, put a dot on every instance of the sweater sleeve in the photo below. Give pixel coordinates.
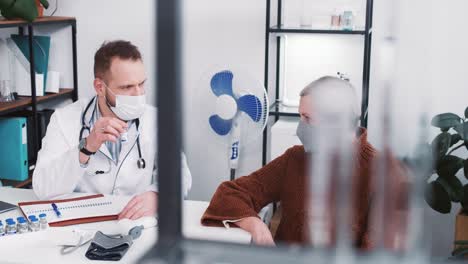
(246, 196)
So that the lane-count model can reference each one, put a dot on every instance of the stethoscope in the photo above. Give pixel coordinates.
(141, 163)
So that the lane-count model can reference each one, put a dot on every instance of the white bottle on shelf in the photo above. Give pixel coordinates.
(290, 14)
(306, 13)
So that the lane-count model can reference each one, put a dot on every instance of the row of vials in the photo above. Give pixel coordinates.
(21, 225)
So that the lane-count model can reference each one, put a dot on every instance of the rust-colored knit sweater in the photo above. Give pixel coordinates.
(283, 180)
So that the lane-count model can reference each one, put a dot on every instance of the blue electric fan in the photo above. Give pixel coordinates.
(241, 110)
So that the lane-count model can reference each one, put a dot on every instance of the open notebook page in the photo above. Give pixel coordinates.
(100, 206)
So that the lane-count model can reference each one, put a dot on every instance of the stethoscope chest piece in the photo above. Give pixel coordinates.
(141, 163)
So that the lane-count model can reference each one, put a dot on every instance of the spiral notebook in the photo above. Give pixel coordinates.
(79, 210)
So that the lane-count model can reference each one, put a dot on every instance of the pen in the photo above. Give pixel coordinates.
(56, 210)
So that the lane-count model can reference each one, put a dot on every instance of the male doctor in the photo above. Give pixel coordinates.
(106, 144)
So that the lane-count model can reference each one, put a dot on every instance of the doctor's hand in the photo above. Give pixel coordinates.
(145, 204)
(260, 232)
(105, 129)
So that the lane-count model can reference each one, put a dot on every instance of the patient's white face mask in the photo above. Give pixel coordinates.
(128, 107)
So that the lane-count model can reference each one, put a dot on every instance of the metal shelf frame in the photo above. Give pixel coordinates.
(277, 30)
(33, 101)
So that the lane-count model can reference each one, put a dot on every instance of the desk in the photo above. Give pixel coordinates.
(36, 247)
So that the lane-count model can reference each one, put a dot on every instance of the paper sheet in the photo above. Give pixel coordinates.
(101, 206)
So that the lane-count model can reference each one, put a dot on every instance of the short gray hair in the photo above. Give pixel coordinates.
(325, 83)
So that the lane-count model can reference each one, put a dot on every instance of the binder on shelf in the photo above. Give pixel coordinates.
(43, 118)
(19, 46)
(14, 150)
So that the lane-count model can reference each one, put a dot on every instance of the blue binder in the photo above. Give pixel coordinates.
(13, 149)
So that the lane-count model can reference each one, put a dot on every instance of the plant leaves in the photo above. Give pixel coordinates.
(455, 138)
(453, 186)
(437, 197)
(444, 183)
(445, 121)
(466, 112)
(440, 145)
(462, 129)
(448, 166)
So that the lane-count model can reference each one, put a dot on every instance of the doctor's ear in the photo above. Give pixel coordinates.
(99, 86)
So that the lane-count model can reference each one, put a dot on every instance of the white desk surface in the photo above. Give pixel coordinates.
(36, 248)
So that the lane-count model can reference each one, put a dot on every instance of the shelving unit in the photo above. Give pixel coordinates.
(26, 101)
(277, 110)
(33, 101)
(316, 31)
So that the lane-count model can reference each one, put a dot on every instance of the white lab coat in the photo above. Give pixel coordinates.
(58, 170)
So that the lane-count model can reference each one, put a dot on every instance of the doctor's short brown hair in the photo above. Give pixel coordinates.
(113, 49)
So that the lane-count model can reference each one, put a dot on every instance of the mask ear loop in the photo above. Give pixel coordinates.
(105, 96)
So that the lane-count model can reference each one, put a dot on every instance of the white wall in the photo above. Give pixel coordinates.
(227, 34)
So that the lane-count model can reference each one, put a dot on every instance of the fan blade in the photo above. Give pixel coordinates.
(219, 125)
(221, 83)
(251, 105)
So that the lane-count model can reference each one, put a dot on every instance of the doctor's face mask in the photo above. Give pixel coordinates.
(127, 107)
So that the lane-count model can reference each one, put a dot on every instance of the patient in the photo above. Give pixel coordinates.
(283, 179)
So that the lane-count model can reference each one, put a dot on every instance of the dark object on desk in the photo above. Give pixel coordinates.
(25, 9)
(5, 207)
(43, 118)
(104, 247)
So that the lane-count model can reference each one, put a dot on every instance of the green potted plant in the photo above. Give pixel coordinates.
(25, 9)
(447, 187)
